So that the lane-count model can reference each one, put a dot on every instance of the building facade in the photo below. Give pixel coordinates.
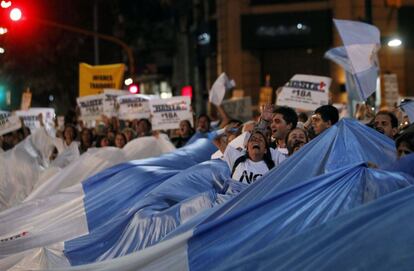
(281, 38)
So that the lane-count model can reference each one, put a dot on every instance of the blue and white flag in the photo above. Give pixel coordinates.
(172, 208)
(358, 56)
(408, 107)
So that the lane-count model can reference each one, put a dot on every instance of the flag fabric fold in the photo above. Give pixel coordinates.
(358, 56)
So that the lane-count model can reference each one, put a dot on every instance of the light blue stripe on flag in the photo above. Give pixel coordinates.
(408, 107)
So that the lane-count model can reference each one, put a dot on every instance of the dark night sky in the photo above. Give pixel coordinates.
(46, 58)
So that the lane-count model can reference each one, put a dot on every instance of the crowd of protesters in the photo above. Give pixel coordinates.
(263, 143)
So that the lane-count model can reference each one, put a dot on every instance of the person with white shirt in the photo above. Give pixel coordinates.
(68, 140)
(284, 119)
(258, 158)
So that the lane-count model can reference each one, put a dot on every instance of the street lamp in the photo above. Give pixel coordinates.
(395, 42)
(128, 81)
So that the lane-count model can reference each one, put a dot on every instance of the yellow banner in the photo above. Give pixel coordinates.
(93, 79)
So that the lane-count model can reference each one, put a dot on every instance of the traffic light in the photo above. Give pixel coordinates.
(187, 91)
(133, 88)
(3, 97)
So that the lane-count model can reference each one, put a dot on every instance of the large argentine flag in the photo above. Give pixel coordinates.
(99, 209)
(358, 56)
(339, 207)
(177, 220)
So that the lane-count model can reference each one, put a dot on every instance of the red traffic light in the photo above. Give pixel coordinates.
(15, 14)
(187, 91)
(133, 88)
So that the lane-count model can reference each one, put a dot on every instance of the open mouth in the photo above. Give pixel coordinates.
(379, 129)
(256, 146)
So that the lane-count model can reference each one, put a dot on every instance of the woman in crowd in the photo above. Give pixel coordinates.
(184, 133)
(143, 128)
(129, 133)
(68, 141)
(120, 140)
(86, 140)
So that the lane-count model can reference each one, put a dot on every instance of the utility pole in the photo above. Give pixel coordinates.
(95, 29)
(368, 11)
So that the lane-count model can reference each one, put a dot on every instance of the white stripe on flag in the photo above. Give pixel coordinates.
(361, 56)
(43, 222)
(167, 255)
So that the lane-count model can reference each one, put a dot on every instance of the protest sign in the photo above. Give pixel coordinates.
(391, 95)
(133, 107)
(109, 103)
(8, 123)
(240, 108)
(218, 90)
(91, 107)
(31, 117)
(306, 92)
(93, 79)
(167, 113)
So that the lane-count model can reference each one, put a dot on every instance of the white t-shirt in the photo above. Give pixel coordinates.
(217, 155)
(61, 145)
(249, 171)
(283, 150)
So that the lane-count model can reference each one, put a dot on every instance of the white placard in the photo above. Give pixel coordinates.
(31, 117)
(91, 107)
(134, 106)
(109, 102)
(218, 90)
(391, 94)
(306, 92)
(167, 113)
(8, 123)
(239, 108)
